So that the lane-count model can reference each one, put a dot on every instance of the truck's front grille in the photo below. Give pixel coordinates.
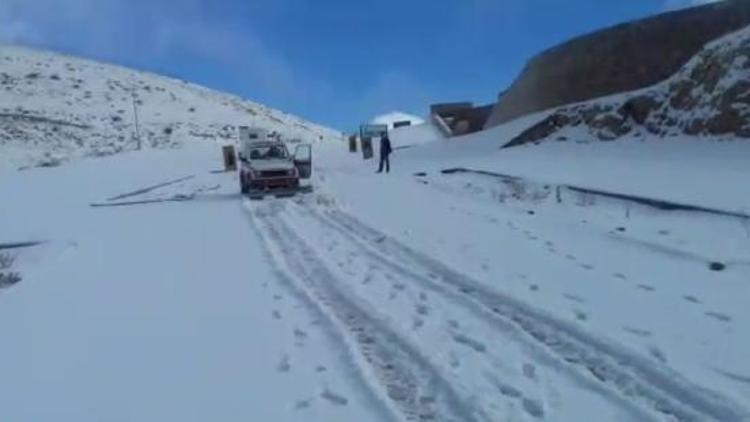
(274, 173)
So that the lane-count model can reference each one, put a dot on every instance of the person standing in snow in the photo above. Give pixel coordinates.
(385, 152)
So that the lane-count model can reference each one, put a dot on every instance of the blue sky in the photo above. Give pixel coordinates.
(336, 62)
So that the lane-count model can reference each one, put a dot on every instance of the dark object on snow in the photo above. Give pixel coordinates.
(420, 174)
(531, 212)
(621, 229)
(230, 158)
(385, 152)
(366, 142)
(18, 245)
(9, 279)
(717, 266)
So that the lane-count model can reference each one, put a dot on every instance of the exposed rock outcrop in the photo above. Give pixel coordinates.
(623, 58)
(709, 96)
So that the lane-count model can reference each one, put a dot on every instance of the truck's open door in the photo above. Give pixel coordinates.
(303, 160)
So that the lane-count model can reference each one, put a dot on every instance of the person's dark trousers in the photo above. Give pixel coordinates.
(384, 158)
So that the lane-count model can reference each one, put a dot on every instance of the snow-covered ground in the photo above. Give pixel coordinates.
(634, 277)
(378, 297)
(161, 312)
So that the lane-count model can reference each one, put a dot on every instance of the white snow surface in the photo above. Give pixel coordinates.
(377, 297)
(161, 312)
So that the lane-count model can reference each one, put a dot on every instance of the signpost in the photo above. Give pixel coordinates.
(230, 158)
(367, 132)
(366, 147)
(353, 143)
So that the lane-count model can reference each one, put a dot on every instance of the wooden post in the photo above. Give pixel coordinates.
(366, 147)
(230, 158)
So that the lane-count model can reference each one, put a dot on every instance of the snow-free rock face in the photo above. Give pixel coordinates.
(624, 58)
(55, 107)
(709, 96)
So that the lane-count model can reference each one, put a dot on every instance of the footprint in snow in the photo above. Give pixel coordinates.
(478, 346)
(423, 296)
(587, 267)
(533, 408)
(657, 354)
(276, 314)
(284, 365)
(417, 323)
(574, 298)
(299, 336)
(719, 316)
(505, 389)
(636, 331)
(333, 398)
(454, 361)
(302, 404)
(620, 276)
(453, 324)
(692, 299)
(570, 257)
(423, 310)
(580, 315)
(646, 287)
(529, 371)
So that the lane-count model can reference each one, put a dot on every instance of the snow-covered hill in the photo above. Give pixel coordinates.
(709, 96)
(54, 107)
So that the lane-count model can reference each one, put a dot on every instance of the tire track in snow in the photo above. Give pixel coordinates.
(405, 377)
(635, 379)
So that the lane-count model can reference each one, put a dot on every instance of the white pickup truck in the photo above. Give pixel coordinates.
(267, 167)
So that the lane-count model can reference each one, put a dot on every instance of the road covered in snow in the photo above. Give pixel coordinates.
(415, 295)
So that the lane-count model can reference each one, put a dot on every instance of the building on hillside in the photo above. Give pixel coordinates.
(396, 119)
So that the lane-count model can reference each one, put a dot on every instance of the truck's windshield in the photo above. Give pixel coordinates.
(268, 152)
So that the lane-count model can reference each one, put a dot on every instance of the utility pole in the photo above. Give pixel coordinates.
(135, 114)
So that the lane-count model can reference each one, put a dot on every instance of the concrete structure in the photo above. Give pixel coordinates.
(619, 59)
(460, 118)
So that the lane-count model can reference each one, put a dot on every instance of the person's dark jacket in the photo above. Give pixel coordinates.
(385, 146)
